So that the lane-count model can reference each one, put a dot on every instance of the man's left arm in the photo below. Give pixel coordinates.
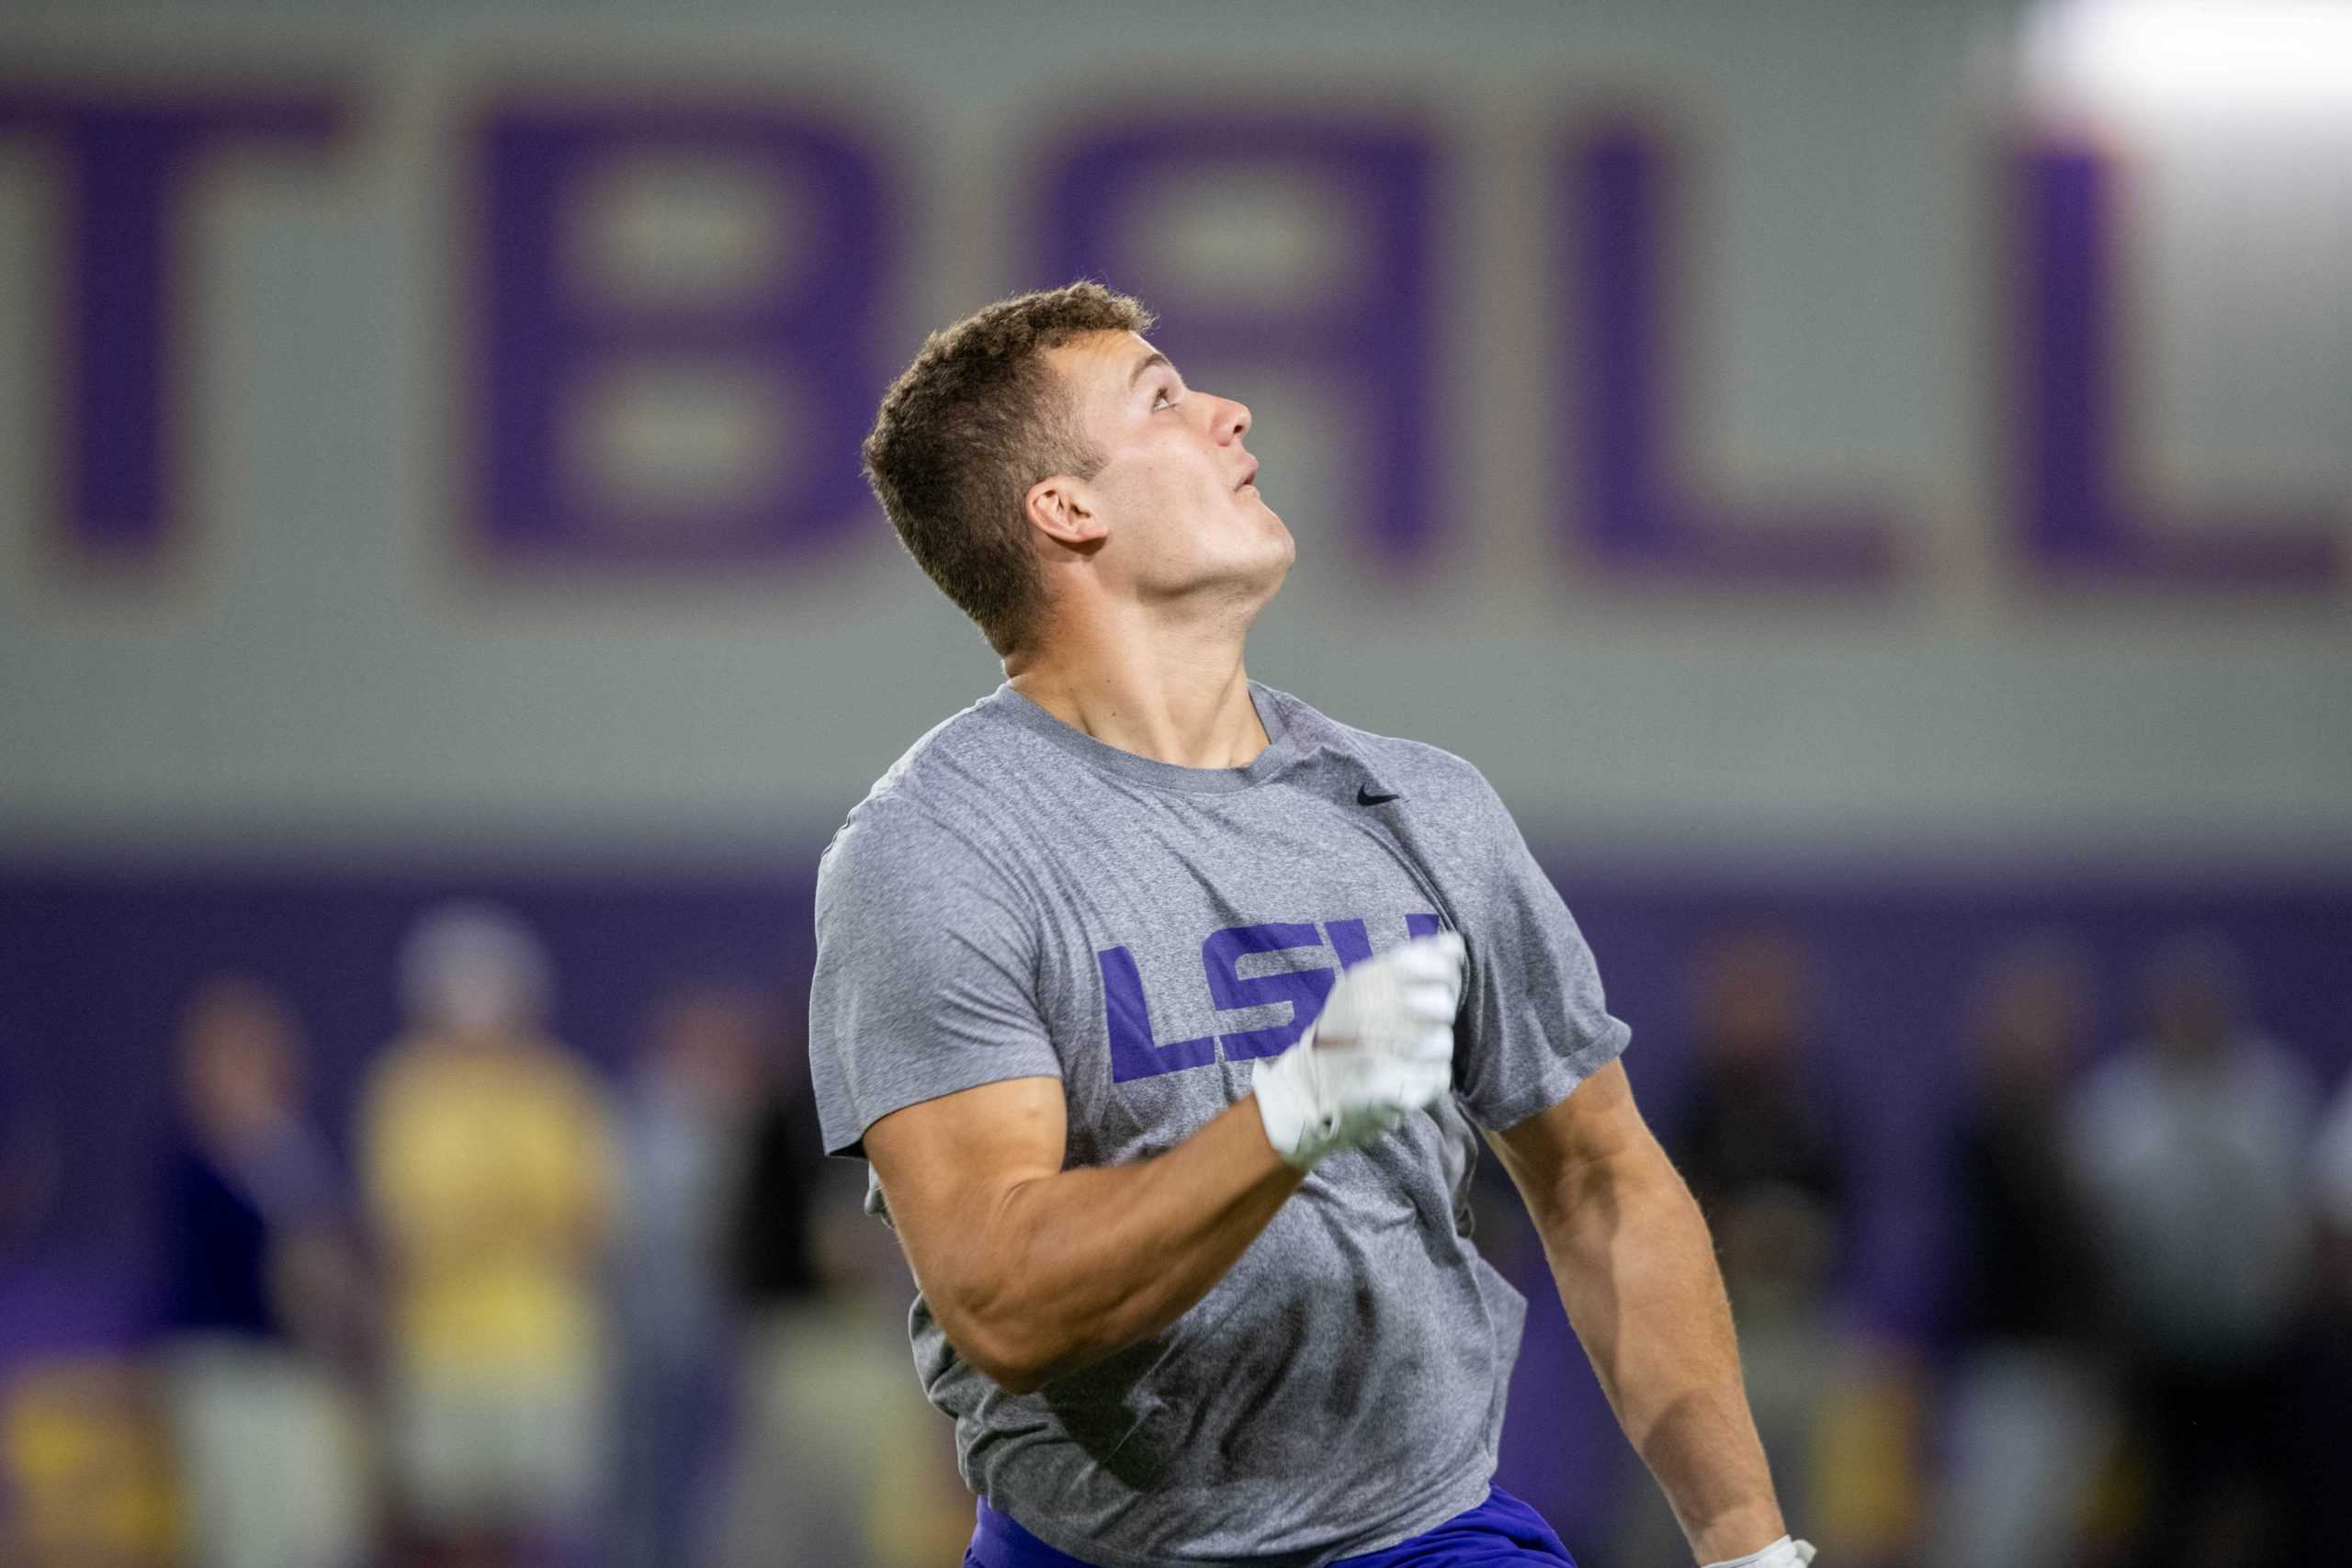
(1637, 1272)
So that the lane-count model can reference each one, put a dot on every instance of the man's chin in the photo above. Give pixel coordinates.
(1278, 570)
(1272, 517)
(1259, 580)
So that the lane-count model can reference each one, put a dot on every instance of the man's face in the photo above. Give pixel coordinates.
(1175, 492)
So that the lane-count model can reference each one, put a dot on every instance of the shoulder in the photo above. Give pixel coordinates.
(910, 812)
(1455, 815)
(1396, 762)
(929, 841)
(940, 757)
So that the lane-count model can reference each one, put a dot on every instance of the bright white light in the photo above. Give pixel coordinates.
(2245, 60)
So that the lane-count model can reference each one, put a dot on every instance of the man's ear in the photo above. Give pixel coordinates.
(1060, 507)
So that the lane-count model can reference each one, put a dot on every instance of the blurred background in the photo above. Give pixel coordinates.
(1867, 479)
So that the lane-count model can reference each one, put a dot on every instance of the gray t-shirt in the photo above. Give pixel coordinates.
(1015, 898)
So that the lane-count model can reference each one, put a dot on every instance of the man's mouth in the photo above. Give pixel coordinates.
(1248, 476)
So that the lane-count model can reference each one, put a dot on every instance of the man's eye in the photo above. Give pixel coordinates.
(1164, 400)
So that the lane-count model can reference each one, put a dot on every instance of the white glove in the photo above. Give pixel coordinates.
(1781, 1553)
(1381, 1049)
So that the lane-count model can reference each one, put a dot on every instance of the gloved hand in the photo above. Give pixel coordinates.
(1782, 1554)
(1381, 1048)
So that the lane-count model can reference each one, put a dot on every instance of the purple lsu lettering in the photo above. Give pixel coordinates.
(1135, 1053)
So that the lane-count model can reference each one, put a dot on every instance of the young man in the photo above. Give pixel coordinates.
(1163, 1008)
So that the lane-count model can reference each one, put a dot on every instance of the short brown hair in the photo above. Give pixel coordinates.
(971, 425)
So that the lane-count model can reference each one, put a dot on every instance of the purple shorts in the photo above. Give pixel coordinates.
(1500, 1530)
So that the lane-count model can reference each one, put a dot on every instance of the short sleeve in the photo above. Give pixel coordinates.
(1537, 1025)
(926, 973)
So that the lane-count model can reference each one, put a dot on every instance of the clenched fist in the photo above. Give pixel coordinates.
(1381, 1049)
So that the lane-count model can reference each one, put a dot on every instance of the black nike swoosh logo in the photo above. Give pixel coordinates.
(1365, 797)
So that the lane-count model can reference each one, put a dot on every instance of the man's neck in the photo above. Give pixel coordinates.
(1184, 701)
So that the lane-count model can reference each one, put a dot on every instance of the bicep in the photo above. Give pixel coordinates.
(947, 1166)
(1595, 1134)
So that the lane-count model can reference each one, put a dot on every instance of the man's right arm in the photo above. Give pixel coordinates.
(1034, 1272)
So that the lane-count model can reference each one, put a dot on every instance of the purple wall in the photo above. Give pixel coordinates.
(99, 959)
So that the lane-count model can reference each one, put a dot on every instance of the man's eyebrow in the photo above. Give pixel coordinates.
(1146, 363)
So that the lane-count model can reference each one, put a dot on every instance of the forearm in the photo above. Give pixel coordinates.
(1086, 1262)
(1630, 1252)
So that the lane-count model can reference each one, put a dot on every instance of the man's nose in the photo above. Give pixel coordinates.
(1232, 421)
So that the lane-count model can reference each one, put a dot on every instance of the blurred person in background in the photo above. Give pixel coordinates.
(2320, 1370)
(487, 1152)
(841, 1459)
(774, 1491)
(2029, 1418)
(88, 1475)
(2195, 1145)
(684, 1128)
(262, 1302)
(836, 1451)
(1757, 1141)
(29, 1171)
(772, 1259)
(2331, 1176)
(2331, 1193)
